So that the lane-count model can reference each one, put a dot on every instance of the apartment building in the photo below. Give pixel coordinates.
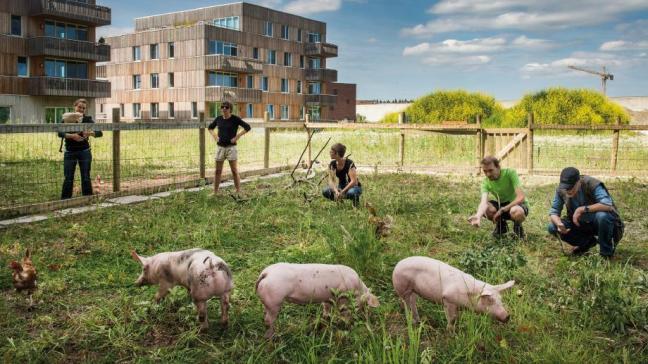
(48, 58)
(180, 64)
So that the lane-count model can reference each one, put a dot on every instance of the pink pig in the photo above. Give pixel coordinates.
(441, 283)
(307, 283)
(201, 272)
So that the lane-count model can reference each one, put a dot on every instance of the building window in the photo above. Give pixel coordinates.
(272, 56)
(16, 25)
(137, 54)
(137, 111)
(63, 30)
(284, 32)
(284, 85)
(299, 35)
(301, 113)
(22, 67)
(68, 69)
(270, 110)
(231, 22)
(264, 83)
(137, 82)
(284, 112)
(249, 110)
(314, 112)
(287, 59)
(255, 53)
(194, 109)
(222, 79)
(314, 63)
(101, 108)
(218, 47)
(314, 37)
(171, 50)
(155, 80)
(155, 51)
(5, 114)
(250, 81)
(301, 61)
(314, 88)
(299, 87)
(267, 29)
(155, 110)
(55, 114)
(122, 110)
(171, 77)
(171, 110)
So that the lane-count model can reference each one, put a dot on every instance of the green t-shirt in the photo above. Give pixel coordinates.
(503, 187)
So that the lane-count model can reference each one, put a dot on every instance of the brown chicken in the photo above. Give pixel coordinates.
(24, 274)
(383, 224)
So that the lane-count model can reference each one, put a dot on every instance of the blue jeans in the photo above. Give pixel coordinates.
(70, 160)
(352, 194)
(594, 224)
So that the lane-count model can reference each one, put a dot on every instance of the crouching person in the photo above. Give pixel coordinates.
(592, 217)
(348, 186)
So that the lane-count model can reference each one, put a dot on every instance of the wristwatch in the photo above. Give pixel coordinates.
(587, 209)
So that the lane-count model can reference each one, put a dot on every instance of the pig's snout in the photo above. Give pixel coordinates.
(504, 319)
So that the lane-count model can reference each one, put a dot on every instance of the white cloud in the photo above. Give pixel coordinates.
(372, 40)
(111, 31)
(529, 43)
(588, 60)
(304, 7)
(621, 45)
(457, 60)
(417, 49)
(477, 45)
(547, 15)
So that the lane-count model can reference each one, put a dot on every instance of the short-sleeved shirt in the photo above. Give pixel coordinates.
(227, 128)
(503, 188)
(343, 174)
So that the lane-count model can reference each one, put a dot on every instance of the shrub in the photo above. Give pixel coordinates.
(454, 105)
(565, 107)
(391, 118)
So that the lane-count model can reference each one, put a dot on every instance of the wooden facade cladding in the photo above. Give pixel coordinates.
(326, 75)
(232, 64)
(321, 49)
(11, 45)
(233, 94)
(67, 48)
(53, 86)
(90, 13)
(321, 99)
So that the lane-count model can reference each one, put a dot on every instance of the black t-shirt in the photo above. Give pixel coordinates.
(74, 146)
(227, 128)
(343, 175)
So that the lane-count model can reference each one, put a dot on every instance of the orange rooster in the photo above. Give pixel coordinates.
(24, 274)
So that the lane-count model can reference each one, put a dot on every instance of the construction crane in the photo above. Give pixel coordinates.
(604, 75)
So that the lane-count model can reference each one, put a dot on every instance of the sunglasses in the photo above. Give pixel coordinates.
(225, 107)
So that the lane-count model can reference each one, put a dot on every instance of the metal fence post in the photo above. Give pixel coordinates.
(615, 146)
(401, 146)
(116, 155)
(201, 143)
(530, 144)
(266, 141)
(308, 135)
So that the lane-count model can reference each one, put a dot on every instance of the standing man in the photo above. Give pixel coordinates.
(348, 186)
(226, 139)
(591, 213)
(509, 201)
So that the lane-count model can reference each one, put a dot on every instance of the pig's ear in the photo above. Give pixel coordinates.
(505, 286)
(27, 253)
(373, 301)
(136, 257)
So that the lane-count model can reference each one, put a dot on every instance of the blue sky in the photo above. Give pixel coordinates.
(506, 48)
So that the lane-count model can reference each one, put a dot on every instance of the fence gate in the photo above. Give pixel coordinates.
(507, 145)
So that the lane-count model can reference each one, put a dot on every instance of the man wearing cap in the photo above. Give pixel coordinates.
(592, 217)
(226, 139)
(509, 202)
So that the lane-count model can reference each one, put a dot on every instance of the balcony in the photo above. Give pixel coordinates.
(320, 50)
(72, 10)
(233, 94)
(54, 86)
(233, 64)
(321, 99)
(68, 48)
(321, 74)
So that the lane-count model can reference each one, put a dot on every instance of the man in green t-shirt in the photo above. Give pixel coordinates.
(507, 202)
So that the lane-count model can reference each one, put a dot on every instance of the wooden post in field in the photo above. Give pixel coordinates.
(266, 142)
(401, 146)
(201, 144)
(308, 135)
(116, 155)
(615, 147)
(479, 144)
(530, 144)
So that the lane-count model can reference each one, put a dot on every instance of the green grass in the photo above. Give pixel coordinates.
(87, 309)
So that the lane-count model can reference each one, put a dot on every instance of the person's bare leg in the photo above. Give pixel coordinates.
(217, 175)
(235, 176)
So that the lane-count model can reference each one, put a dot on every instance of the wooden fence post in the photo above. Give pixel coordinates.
(308, 135)
(530, 144)
(201, 143)
(266, 142)
(479, 144)
(116, 155)
(615, 147)
(401, 146)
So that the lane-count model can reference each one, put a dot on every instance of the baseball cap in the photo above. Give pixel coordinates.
(568, 178)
